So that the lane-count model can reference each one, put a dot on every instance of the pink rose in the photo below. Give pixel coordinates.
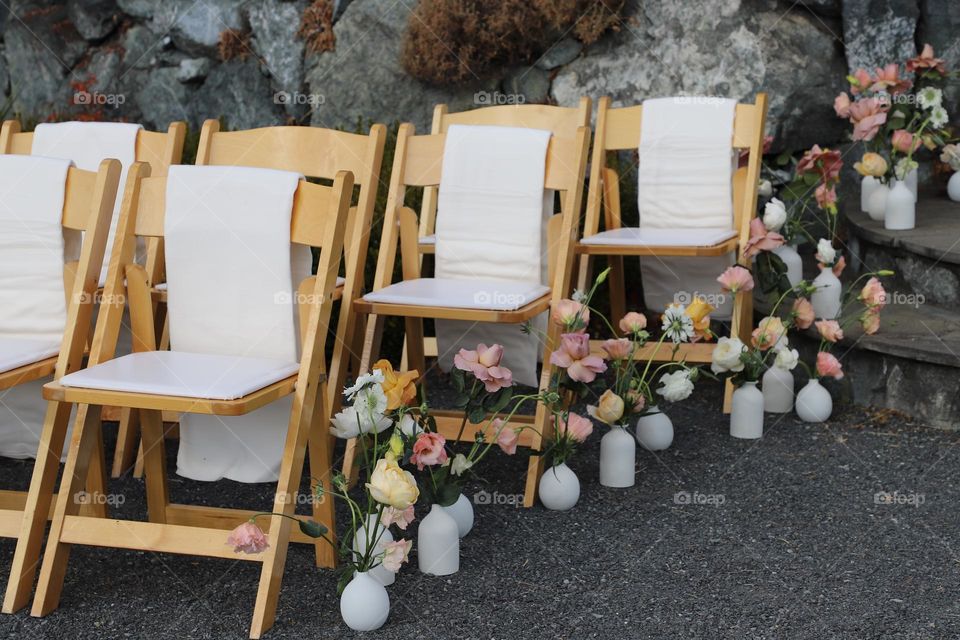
(873, 294)
(841, 105)
(830, 330)
(828, 366)
(507, 438)
(484, 364)
(571, 315)
(248, 538)
(618, 348)
(888, 79)
(575, 426)
(429, 449)
(633, 322)
(769, 332)
(574, 356)
(867, 115)
(735, 279)
(803, 313)
(401, 518)
(861, 81)
(395, 554)
(761, 239)
(870, 321)
(904, 141)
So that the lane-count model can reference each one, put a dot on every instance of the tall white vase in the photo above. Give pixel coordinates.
(814, 403)
(867, 185)
(618, 458)
(438, 543)
(655, 430)
(462, 512)
(364, 604)
(901, 208)
(793, 262)
(777, 388)
(378, 573)
(826, 298)
(953, 187)
(559, 488)
(746, 414)
(913, 183)
(877, 206)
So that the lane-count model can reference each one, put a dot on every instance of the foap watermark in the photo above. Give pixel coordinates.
(492, 98)
(483, 497)
(498, 299)
(899, 498)
(97, 99)
(109, 499)
(298, 98)
(899, 298)
(288, 297)
(100, 297)
(714, 299)
(697, 498)
(712, 101)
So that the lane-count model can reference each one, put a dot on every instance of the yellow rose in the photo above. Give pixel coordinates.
(400, 388)
(609, 409)
(392, 486)
(871, 164)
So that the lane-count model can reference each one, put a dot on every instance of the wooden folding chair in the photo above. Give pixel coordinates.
(618, 129)
(159, 150)
(88, 207)
(316, 153)
(417, 163)
(318, 220)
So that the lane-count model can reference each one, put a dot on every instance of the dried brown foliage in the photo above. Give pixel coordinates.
(316, 27)
(234, 45)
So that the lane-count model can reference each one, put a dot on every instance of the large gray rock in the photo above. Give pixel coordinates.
(195, 26)
(720, 47)
(877, 32)
(363, 78)
(241, 93)
(274, 25)
(163, 99)
(94, 19)
(141, 48)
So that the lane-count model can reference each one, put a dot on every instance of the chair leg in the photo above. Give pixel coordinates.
(37, 507)
(155, 464)
(543, 424)
(54, 567)
(416, 358)
(370, 350)
(97, 479)
(584, 268)
(321, 465)
(617, 288)
(125, 454)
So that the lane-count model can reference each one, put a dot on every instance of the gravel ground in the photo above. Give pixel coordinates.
(783, 538)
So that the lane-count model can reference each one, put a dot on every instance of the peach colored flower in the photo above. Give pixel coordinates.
(429, 449)
(769, 332)
(841, 105)
(861, 81)
(484, 364)
(608, 409)
(826, 196)
(399, 387)
(888, 79)
(761, 239)
(507, 438)
(828, 366)
(803, 314)
(571, 315)
(926, 61)
(618, 348)
(248, 538)
(574, 356)
(904, 141)
(400, 517)
(826, 162)
(633, 322)
(576, 426)
(636, 400)
(395, 554)
(699, 311)
(870, 321)
(735, 279)
(867, 115)
(829, 330)
(873, 294)
(871, 164)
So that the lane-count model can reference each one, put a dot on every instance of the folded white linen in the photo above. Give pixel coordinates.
(495, 295)
(33, 309)
(684, 181)
(491, 225)
(232, 274)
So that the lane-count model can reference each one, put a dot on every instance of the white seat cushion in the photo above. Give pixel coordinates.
(490, 295)
(633, 236)
(429, 240)
(15, 353)
(176, 373)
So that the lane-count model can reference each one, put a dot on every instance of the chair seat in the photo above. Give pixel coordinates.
(429, 240)
(488, 295)
(189, 375)
(632, 236)
(16, 353)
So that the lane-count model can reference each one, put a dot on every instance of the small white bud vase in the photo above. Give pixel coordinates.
(618, 458)
(438, 543)
(793, 262)
(462, 512)
(559, 488)
(826, 298)
(378, 573)
(777, 388)
(901, 208)
(814, 403)
(746, 415)
(655, 430)
(867, 185)
(364, 604)
(913, 183)
(953, 187)
(877, 206)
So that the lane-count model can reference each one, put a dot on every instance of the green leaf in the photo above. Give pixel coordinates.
(312, 528)
(476, 414)
(448, 493)
(461, 400)
(501, 399)
(456, 375)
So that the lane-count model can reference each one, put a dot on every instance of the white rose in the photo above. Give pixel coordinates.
(826, 254)
(726, 355)
(765, 189)
(459, 464)
(676, 386)
(774, 215)
(409, 426)
(787, 359)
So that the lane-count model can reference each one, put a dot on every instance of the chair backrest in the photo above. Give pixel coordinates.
(618, 129)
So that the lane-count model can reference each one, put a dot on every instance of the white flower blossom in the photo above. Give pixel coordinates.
(676, 386)
(787, 359)
(460, 464)
(726, 355)
(930, 97)
(677, 324)
(826, 254)
(374, 377)
(774, 215)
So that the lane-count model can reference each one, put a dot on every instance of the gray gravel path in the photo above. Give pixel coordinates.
(799, 548)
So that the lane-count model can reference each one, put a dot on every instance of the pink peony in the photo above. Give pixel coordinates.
(571, 315)
(873, 294)
(803, 314)
(395, 554)
(576, 426)
(507, 438)
(618, 348)
(926, 61)
(429, 449)
(574, 356)
(735, 279)
(401, 518)
(828, 366)
(633, 322)
(484, 364)
(867, 115)
(904, 141)
(761, 239)
(870, 322)
(829, 330)
(248, 538)
(841, 105)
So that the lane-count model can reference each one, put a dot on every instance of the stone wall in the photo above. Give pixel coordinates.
(155, 61)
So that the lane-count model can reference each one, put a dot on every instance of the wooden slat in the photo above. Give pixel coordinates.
(10, 522)
(454, 313)
(448, 425)
(636, 250)
(696, 352)
(224, 518)
(561, 121)
(27, 373)
(78, 195)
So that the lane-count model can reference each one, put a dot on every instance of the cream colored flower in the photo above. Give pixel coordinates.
(609, 409)
(392, 486)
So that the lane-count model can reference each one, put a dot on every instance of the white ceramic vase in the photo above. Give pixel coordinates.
(913, 183)
(378, 573)
(826, 298)
(655, 430)
(462, 512)
(438, 543)
(559, 488)
(618, 458)
(793, 262)
(814, 403)
(901, 208)
(877, 206)
(953, 187)
(364, 604)
(777, 388)
(746, 415)
(867, 185)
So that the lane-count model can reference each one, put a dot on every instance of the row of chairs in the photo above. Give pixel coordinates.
(335, 219)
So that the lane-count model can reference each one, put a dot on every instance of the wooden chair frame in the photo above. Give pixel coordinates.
(319, 220)
(417, 163)
(618, 129)
(88, 207)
